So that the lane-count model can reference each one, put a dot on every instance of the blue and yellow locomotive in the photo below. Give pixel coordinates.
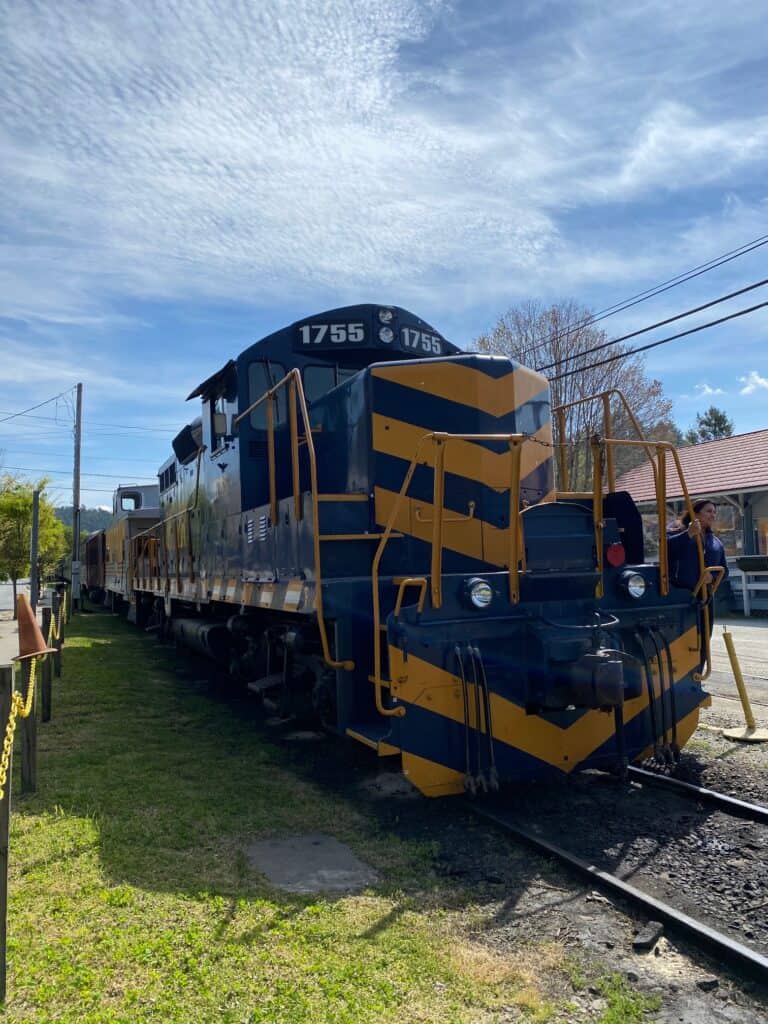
(363, 521)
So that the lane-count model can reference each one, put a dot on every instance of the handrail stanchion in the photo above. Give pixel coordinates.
(295, 473)
(271, 460)
(515, 524)
(561, 454)
(438, 498)
(661, 512)
(597, 507)
(607, 431)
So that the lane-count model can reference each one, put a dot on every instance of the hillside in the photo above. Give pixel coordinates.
(90, 518)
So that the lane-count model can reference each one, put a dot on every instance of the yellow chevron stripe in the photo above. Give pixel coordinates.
(474, 538)
(473, 461)
(418, 682)
(432, 778)
(468, 386)
(464, 536)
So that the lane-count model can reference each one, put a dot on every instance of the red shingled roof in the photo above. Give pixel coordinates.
(727, 466)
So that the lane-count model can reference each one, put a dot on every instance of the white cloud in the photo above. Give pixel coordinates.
(209, 149)
(752, 382)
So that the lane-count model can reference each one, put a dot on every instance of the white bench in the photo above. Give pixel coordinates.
(749, 584)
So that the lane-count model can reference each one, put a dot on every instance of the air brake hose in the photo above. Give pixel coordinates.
(649, 688)
(662, 688)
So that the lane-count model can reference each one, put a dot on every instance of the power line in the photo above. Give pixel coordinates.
(93, 423)
(67, 472)
(51, 419)
(67, 455)
(652, 327)
(662, 341)
(93, 490)
(24, 412)
(649, 293)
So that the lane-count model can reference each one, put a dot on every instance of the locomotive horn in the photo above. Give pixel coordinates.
(31, 642)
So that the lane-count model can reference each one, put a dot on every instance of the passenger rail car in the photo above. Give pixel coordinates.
(363, 521)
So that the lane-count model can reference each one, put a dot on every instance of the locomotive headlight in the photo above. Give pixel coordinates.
(633, 583)
(386, 334)
(385, 316)
(480, 593)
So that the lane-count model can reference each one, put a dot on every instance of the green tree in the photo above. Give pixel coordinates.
(16, 532)
(709, 426)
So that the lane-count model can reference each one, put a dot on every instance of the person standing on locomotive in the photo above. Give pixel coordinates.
(683, 549)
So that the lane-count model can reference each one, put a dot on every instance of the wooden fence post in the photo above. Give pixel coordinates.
(46, 670)
(28, 736)
(6, 691)
(58, 618)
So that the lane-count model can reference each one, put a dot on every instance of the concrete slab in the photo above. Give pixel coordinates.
(310, 864)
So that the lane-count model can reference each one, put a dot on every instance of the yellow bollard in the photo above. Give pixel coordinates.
(751, 734)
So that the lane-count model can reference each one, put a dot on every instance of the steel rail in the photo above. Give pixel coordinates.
(722, 946)
(733, 696)
(729, 804)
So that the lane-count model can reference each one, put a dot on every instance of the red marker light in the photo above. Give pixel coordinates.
(615, 555)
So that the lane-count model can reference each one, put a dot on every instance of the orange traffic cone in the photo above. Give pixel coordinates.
(31, 642)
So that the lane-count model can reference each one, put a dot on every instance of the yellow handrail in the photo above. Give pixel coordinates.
(410, 581)
(292, 380)
(398, 711)
(517, 546)
(437, 526)
(662, 449)
(160, 528)
(605, 398)
(597, 509)
(516, 542)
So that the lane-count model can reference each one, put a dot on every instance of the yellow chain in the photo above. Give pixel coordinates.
(54, 633)
(20, 708)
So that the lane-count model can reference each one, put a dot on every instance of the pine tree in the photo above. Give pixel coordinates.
(710, 426)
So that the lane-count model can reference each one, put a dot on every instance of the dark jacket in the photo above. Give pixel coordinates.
(684, 557)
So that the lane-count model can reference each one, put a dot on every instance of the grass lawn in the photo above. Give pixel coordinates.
(131, 898)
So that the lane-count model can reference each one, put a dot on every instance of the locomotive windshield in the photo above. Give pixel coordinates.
(318, 380)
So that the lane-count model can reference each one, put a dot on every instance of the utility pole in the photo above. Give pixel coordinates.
(34, 583)
(75, 582)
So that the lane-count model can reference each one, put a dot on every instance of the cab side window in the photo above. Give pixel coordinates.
(218, 422)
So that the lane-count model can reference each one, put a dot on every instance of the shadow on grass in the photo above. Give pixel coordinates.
(178, 776)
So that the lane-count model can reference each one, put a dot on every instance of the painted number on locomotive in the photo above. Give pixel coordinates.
(338, 334)
(421, 340)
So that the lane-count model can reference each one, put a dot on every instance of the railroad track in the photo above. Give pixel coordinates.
(733, 696)
(721, 945)
(724, 802)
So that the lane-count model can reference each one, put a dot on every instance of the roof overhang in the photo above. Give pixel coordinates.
(651, 502)
(211, 384)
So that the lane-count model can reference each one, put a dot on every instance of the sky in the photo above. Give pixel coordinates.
(181, 178)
